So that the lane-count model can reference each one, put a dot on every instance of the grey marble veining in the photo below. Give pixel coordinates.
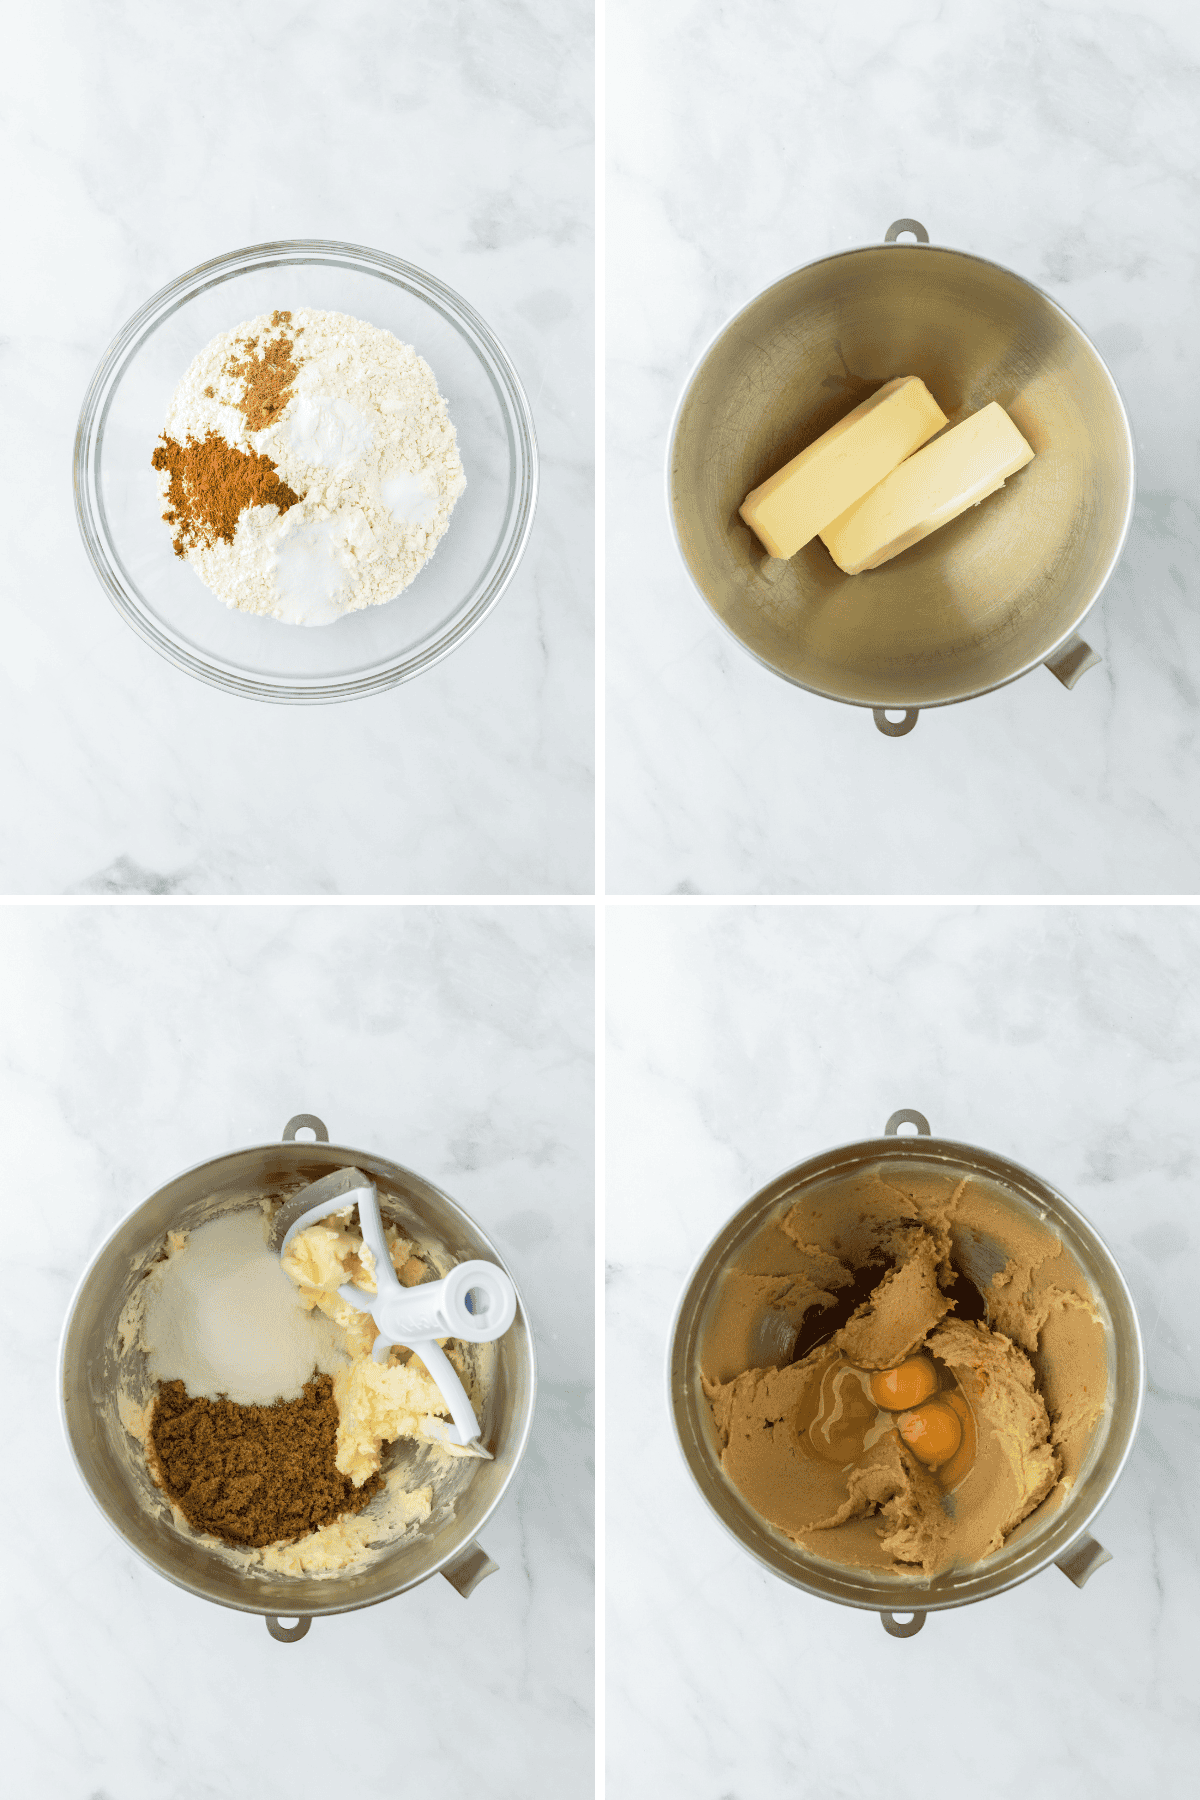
(1055, 140)
(143, 141)
(744, 1040)
(140, 1041)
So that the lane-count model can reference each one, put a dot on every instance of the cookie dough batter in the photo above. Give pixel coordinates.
(902, 1367)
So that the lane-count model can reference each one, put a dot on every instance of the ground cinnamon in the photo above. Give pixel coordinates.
(210, 486)
(254, 1475)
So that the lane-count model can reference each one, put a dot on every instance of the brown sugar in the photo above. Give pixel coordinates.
(254, 1475)
(211, 484)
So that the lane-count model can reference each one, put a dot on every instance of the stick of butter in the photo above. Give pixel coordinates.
(960, 469)
(792, 506)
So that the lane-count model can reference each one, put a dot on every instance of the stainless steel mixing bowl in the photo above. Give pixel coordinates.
(445, 1544)
(1050, 1534)
(983, 600)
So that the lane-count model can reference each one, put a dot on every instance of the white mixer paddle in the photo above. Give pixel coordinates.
(476, 1301)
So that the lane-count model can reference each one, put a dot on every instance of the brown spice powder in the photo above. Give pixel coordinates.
(266, 378)
(211, 484)
(254, 1475)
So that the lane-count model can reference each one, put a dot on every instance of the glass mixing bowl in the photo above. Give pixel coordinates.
(120, 512)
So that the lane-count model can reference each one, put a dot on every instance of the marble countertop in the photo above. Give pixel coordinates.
(144, 141)
(741, 1042)
(1057, 141)
(458, 1042)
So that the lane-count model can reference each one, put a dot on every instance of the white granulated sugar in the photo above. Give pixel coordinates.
(222, 1317)
(364, 438)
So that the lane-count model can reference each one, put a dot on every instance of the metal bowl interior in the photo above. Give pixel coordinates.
(979, 602)
(119, 510)
(87, 1379)
(1048, 1532)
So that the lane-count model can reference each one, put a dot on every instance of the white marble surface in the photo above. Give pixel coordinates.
(743, 1041)
(143, 140)
(139, 1041)
(1055, 139)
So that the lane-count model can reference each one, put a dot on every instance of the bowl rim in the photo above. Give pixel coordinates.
(324, 252)
(298, 1147)
(909, 1594)
(949, 250)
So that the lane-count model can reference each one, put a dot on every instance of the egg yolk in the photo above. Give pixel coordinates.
(932, 1432)
(905, 1386)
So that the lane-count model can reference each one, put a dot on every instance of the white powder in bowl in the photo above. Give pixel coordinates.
(222, 1317)
(352, 423)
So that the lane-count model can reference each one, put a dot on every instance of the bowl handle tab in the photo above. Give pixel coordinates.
(906, 1116)
(912, 226)
(894, 727)
(468, 1568)
(897, 1628)
(1082, 1560)
(287, 1634)
(305, 1122)
(1072, 659)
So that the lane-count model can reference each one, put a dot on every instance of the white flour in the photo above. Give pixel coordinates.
(364, 438)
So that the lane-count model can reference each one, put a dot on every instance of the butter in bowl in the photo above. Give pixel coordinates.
(884, 477)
